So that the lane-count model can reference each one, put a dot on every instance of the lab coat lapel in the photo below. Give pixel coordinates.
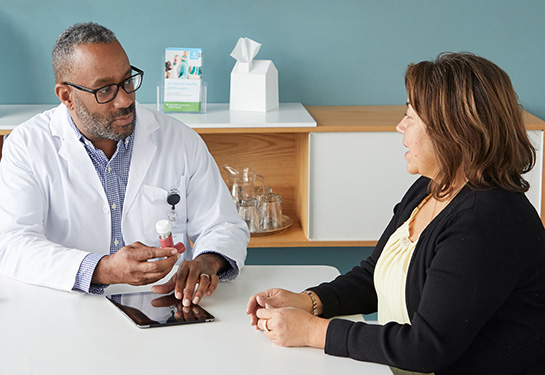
(73, 151)
(143, 151)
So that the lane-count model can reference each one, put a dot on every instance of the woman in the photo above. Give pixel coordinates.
(458, 276)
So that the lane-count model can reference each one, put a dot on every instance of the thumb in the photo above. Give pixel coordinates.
(165, 288)
(263, 301)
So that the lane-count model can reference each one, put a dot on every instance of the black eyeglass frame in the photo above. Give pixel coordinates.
(118, 85)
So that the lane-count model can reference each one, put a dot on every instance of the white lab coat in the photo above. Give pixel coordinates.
(53, 209)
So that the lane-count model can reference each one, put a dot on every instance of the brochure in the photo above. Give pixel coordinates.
(183, 80)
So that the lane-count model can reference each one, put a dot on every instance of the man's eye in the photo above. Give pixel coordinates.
(105, 90)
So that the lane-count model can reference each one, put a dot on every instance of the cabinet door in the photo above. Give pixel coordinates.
(355, 180)
(535, 176)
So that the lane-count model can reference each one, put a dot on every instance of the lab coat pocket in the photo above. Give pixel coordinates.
(154, 207)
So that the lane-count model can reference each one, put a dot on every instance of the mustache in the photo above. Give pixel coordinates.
(125, 111)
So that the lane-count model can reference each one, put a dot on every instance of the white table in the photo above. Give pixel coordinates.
(45, 331)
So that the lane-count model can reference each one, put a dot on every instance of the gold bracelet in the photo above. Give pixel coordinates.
(314, 302)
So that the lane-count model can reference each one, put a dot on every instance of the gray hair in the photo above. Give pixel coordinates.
(80, 33)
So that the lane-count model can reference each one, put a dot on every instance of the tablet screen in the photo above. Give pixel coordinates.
(148, 309)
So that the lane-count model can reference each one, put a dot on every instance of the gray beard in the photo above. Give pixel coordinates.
(100, 126)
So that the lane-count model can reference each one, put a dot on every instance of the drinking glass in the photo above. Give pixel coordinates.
(248, 212)
(270, 212)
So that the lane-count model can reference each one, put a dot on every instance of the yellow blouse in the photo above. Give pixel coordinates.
(391, 274)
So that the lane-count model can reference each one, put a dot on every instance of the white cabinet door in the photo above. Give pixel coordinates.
(356, 179)
(535, 176)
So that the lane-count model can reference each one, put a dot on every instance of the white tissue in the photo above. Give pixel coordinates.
(244, 52)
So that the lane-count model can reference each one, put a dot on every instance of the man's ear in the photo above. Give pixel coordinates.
(64, 93)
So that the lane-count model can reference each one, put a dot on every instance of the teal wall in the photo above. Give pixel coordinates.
(351, 52)
(342, 52)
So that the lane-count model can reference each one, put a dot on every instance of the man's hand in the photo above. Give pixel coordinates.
(202, 270)
(130, 265)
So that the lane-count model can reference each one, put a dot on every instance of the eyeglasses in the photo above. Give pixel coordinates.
(108, 93)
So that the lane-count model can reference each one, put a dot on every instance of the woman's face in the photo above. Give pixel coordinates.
(421, 158)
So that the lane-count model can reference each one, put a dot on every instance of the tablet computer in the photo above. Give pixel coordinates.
(149, 309)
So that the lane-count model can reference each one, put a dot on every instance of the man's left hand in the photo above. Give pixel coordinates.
(203, 271)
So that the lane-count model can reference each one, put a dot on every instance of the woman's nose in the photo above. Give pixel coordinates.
(400, 127)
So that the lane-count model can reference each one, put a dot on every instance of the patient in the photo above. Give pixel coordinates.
(458, 276)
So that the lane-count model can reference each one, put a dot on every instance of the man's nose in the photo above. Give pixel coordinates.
(122, 99)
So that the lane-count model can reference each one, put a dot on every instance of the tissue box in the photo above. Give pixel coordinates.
(256, 90)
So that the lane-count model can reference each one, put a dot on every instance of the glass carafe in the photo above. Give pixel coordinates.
(245, 183)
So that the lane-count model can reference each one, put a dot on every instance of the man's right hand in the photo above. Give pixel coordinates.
(129, 265)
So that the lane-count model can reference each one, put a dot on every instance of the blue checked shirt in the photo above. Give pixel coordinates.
(113, 175)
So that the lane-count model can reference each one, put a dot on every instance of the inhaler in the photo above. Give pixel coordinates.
(165, 236)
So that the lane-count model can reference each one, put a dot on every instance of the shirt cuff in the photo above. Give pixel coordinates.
(85, 274)
(229, 274)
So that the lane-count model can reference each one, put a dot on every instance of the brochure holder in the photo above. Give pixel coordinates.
(161, 101)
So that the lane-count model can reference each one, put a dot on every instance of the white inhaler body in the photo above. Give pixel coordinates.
(163, 228)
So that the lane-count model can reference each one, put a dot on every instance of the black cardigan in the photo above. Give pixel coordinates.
(475, 291)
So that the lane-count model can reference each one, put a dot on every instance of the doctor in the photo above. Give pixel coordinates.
(83, 185)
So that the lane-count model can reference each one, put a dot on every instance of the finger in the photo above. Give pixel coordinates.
(158, 269)
(261, 300)
(253, 320)
(166, 287)
(265, 325)
(213, 284)
(144, 253)
(204, 283)
(180, 280)
(191, 282)
(165, 263)
(252, 304)
(263, 313)
(143, 276)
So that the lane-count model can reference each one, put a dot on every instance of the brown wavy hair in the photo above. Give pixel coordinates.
(474, 120)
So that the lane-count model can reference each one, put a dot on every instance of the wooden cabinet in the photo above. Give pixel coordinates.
(339, 180)
(351, 161)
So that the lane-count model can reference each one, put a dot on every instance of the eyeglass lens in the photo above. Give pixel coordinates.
(130, 85)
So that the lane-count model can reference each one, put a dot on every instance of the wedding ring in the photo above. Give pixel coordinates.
(205, 275)
(266, 326)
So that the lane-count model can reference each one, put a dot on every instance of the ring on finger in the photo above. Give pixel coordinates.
(204, 275)
(266, 325)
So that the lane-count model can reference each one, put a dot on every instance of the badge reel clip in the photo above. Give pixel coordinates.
(163, 227)
(173, 198)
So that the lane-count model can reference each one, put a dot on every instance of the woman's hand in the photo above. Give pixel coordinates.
(289, 326)
(276, 298)
(287, 319)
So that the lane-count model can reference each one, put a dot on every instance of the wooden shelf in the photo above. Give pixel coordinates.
(295, 237)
